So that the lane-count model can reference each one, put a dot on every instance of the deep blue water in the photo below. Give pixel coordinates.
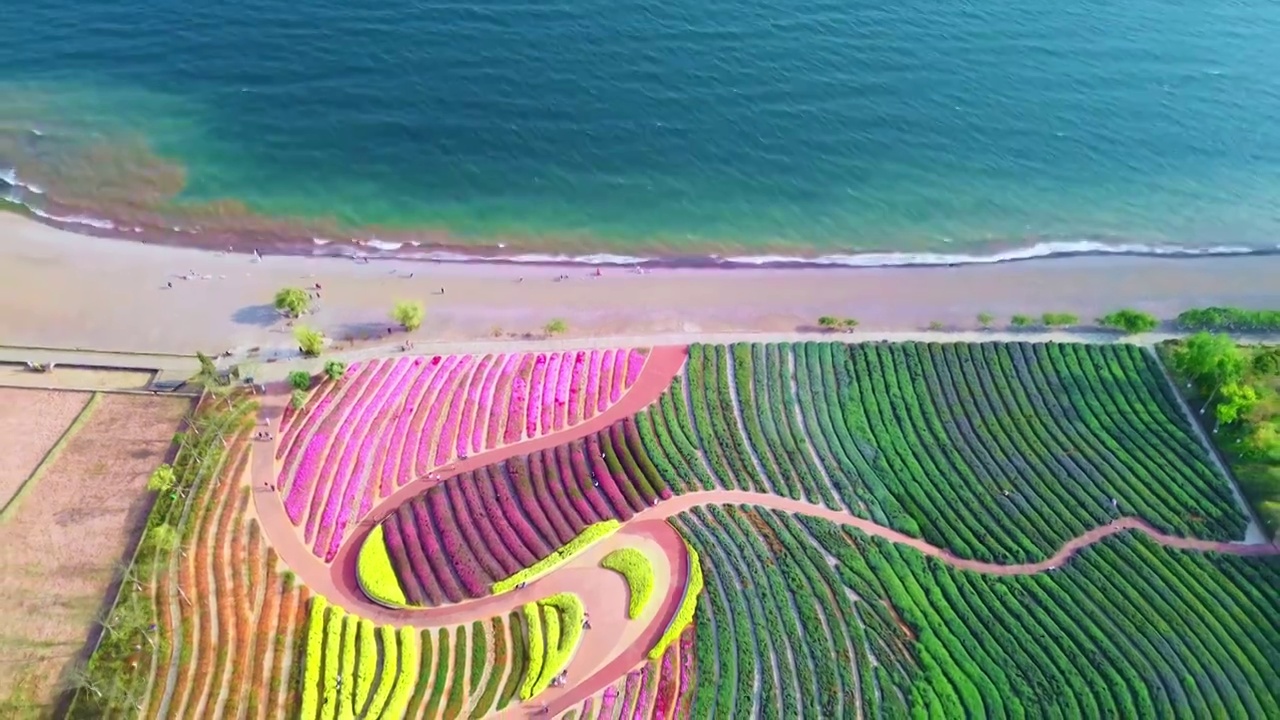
(752, 125)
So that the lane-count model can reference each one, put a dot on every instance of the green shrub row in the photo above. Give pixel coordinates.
(636, 568)
(1004, 451)
(555, 628)
(353, 668)
(1229, 319)
(590, 535)
(873, 629)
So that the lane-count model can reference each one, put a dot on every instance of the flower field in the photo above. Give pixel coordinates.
(821, 530)
(461, 537)
(998, 451)
(1126, 629)
(388, 422)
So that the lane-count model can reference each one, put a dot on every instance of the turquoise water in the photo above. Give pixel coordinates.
(746, 126)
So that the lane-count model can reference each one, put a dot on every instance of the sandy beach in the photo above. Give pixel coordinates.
(62, 289)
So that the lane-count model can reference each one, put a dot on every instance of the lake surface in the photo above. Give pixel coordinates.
(737, 127)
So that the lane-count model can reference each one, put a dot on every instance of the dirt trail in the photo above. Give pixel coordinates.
(337, 582)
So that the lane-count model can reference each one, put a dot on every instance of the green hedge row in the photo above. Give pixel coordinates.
(856, 625)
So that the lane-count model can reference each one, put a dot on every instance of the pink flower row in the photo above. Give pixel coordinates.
(388, 422)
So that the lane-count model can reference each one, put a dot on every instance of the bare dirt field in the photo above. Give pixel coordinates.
(60, 551)
(76, 378)
(31, 421)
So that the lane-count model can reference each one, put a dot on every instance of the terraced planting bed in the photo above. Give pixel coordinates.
(812, 530)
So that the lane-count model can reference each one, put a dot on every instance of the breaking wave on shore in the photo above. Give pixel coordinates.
(28, 198)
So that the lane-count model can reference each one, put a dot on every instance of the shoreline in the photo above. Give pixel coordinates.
(63, 289)
(283, 237)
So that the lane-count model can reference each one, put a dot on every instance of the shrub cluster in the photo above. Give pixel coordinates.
(638, 571)
(1230, 319)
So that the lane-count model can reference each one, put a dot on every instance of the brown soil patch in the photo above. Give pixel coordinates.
(59, 553)
(76, 378)
(31, 421)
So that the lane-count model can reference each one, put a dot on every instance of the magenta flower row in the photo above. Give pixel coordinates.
(388, 422)
(337, 465)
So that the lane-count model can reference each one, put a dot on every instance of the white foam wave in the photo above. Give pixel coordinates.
(73, 219)
(1039, 250)
(10, 177)
(1059, 248)
(377, 244)
(320, 241)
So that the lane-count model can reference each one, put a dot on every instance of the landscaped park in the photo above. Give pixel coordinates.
(817, 529)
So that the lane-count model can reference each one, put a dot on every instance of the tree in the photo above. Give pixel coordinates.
(163, 538)
(935, 325)
(1210, 360)
(827, 322)
(409, 313)
(849, 324)
(1022, 321)
(162, 479)
(985, 319)
(292, 302)
(1129, 322)
(555, 326)
(335, 369)
(310, 341)
(297, 399)
(1236, 400)
(300, 380)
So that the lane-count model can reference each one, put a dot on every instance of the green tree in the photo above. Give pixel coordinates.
(1129, 322)
(1236, 399)
(300, 380)
(310, 341)
(1022, 321)
(335, 369)
(555, 326)
(849, 324)
(409, 313)
(162, 479)
(292, 302)
(985, 319)
(162, 538)
(297, 399)
(1210, 360)
(828, 322)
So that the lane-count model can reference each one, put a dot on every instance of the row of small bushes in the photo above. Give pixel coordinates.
(1127, 321)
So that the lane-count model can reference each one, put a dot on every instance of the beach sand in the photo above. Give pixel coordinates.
(61, 289)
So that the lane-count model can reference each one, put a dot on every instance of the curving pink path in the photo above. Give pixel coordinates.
(337, 582)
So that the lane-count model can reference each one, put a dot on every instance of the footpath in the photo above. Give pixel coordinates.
(273, 364)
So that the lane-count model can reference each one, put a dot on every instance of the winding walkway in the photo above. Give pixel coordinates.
(606, 662)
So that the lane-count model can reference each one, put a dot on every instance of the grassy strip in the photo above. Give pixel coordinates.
(590, 535)
(638, 571)
(50, 457)
(688, 604)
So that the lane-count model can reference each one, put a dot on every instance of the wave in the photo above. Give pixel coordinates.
(1057, 248)
(1041, 250)
(375, 248)
(9, 177)
(36, 210)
